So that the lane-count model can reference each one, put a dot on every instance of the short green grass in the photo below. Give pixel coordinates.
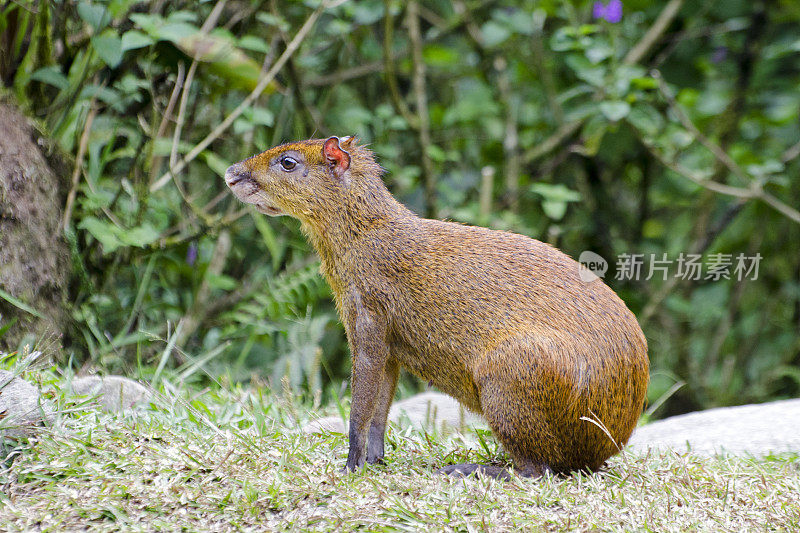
(227, 460)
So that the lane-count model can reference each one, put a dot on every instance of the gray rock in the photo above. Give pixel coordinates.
(427, 410)
(21, 408)
(756, 430)
(327, 424)
(113, 393)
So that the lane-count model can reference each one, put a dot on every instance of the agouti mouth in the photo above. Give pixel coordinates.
(268, 210)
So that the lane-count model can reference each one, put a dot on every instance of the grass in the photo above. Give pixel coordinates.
(227, 460)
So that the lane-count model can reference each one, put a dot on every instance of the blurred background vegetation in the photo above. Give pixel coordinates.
(671, 128)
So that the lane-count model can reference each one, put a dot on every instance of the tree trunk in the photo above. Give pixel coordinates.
(34, 257)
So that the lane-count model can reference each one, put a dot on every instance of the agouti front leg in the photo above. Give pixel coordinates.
(370, 355)
(377, 428)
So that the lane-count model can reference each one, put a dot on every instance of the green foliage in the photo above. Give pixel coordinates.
(599, 137)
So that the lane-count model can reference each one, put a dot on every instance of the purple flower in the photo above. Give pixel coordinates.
(191, 254)
(719, 55)
(611, 12)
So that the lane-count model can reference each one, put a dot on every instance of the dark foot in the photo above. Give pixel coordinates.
(375, 448)
(472, 469)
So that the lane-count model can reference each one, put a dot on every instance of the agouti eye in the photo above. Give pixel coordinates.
(288, 163)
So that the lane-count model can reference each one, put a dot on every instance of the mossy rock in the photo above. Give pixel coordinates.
(34, 257)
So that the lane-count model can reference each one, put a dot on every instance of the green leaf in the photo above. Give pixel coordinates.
(256, 44)
(494, 34)
(113, 237)
(108, 47)
(554, 210)
(616, 110)
(593, 132)
(140, 236)
(51, 76)
(440, 56)
(95, 16)
(262, 116)
(652, 229)
(175, 31)
(221, 281)
(135, 39)
(563, 39)
(270, 240)
(215, 163)
(555, 192)
(366, 13)
(276, 21)
(644, 83)
(555, 198)
(585, 70)
(436, 153)
(104, 232)
(19, 304)
(599, 52)
(223, 58)
(646, 119)
(149, 23)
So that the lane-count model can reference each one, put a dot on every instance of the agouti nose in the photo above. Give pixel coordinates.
(236, 173)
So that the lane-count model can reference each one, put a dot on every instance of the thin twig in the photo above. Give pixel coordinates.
(791, 153)
(511, 138)
(755, 190)
(260, 87)
(684, 119)
(342, 75)
(424, 130)
(176, 135)
(173, 98)
(554, 141)
(207, 26)
(654, 33)
(388, 68)
(76, 172)
(738, 192)
(213, 17)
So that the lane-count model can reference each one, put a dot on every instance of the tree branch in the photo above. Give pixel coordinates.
(423, 119)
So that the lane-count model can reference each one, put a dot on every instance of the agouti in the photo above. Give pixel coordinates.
(501, 322)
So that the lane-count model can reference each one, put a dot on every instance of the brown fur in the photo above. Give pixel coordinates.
(500, 321)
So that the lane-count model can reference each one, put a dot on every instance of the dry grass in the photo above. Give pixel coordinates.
(224, 461)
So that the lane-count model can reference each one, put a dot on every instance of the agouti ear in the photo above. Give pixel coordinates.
(338, 160)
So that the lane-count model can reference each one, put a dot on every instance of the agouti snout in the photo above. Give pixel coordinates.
(499, 321)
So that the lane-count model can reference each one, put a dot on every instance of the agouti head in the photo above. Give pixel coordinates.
(309, 180)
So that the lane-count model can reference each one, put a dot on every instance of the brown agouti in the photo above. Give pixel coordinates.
(501, 322)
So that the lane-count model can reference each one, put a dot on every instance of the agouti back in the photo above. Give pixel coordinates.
(500, 321)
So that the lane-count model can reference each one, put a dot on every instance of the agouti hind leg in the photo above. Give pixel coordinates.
(514, 401)
(518, 429)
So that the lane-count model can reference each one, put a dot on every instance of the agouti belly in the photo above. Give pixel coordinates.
(442, 369)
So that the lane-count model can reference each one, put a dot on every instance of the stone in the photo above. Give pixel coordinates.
(21, 408)
(427, 410)
(113, 393)
(756, 430)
